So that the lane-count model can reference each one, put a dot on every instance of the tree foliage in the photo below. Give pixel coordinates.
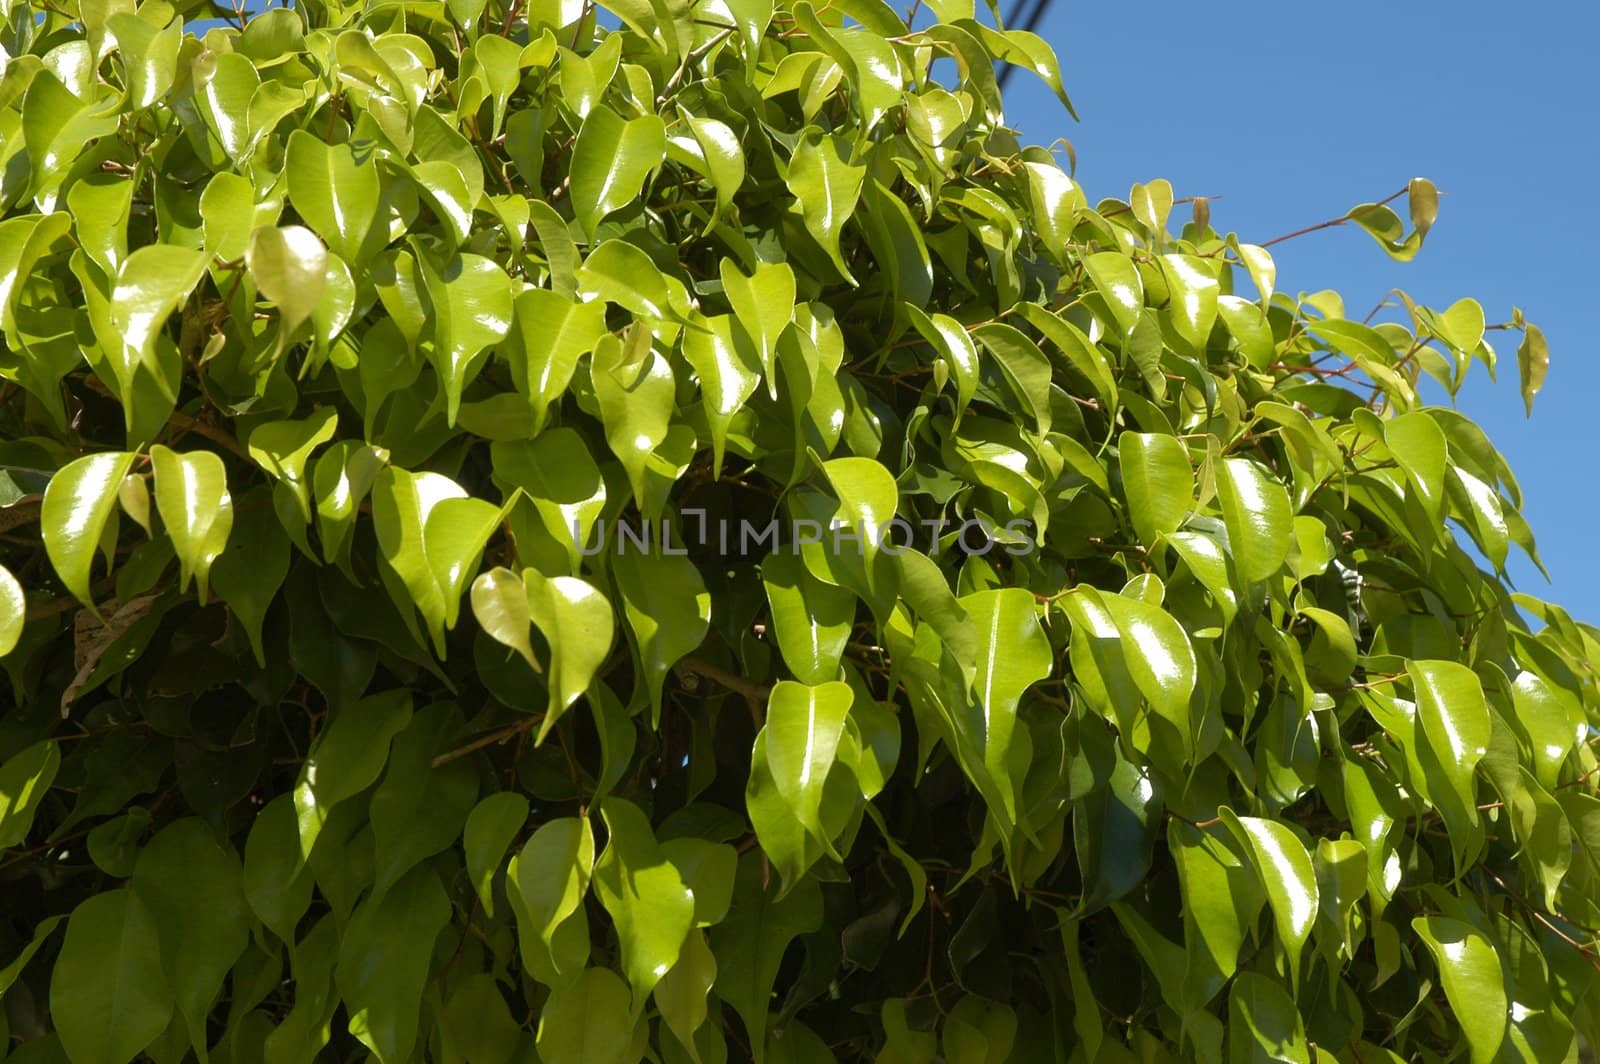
(345, 346)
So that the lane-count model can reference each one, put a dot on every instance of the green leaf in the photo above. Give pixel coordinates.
(420, 808)
(560, 478)
(1456, 725)
(41, 934)
(1533, 363)
(1123, 643)
(763, 306)
(724, 160)
(1117, 280)
(490, 827)
(867, 501)
(811, 619)
(1418, 445)
(336, 192)
(580, 1023)
(470, 302)
(149, 55)
(1469, 968)
(1013, 654)
(282, 448)
(109, 997)
(549, 333)
(1221, 904)
(546, 884)
(346, 759)
(431, 537)
(979, 1030)
(610, 162)
(683, 993)
(1026, 369)
(804, 725)
(1158, 481)
(577, 622)
(1193, 306)
(1263, 1023)
(290, 267)
(728, 378)
(636, 403)
(749, 945)
(277, 881)
(623, 274)
(652, 908)
(24, 778)
(1255, 510)
(192, 497)
(191, 885)
(79, 500)
(827, 189)
(13, 608)
(1288, 876)
(381, 975)
(952, 343)
(668, 610)
(248, 574)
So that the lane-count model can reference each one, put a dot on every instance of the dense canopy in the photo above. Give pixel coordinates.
(451, 608)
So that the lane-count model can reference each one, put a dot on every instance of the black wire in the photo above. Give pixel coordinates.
(1035, 16)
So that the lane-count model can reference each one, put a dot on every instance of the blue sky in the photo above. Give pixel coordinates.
(1293, 113)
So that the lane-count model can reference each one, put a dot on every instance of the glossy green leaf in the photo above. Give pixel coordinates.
(1418, 445)
(1158, 480)
(336, 191)
(577, 623)
(1256, 512)
(471, 310)
(1263, 1023)
(1117, 281)
(668, 610)
(290, 266)
(868, 498)
(382, 975)
(1469, 968)
(804, 725)
(276, 881)
(346, 759)
(547, 883)
(13, 607)
(1286, 873)
(549, 333)
(25, 777)
(811, 619)
(645, 896)
(78, 502)
(1013, 654)
(827, 187)
(1533, 364)
(727, 375)
(610, 162)
(763, 306)
(192, 497)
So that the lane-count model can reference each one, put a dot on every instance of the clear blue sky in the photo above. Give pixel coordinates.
(1293, 113)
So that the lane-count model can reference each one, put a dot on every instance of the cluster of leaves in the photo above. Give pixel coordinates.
(339, 342)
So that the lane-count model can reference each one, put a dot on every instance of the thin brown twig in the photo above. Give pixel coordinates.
(499, 735)
(1329, 224)
(753, 691)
